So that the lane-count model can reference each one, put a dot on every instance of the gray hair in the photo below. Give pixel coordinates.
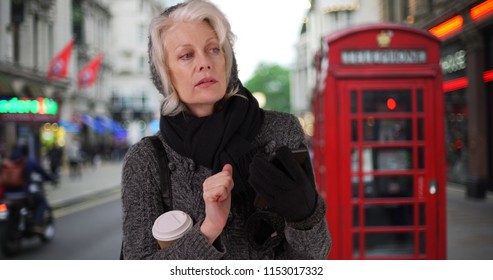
(190, 11)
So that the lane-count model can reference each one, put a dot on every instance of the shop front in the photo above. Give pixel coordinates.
(467, 63)
(30, 107)
(24, 121)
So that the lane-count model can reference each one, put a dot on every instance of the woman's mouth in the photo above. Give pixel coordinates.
(206, 82)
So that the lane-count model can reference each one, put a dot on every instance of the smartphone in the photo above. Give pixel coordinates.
(300, 154)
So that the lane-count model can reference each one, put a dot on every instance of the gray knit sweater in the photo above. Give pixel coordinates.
(142, 204)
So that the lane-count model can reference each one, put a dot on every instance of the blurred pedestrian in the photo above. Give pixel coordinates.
(74, 156)
(55, 156)
(224, 153)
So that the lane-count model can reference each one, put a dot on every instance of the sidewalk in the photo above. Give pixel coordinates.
(469, 221)
(469, 225)
(94, 181)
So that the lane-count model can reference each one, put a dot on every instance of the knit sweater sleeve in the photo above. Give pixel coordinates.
(142, 204)
(310, 238)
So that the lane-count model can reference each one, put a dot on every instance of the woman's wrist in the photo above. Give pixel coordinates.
(210, 231)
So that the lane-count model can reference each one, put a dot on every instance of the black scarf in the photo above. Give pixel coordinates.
(223, 137)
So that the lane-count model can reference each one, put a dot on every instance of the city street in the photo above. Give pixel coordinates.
(88, 220)
(90, 234)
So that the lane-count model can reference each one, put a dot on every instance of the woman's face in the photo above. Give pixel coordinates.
(197, 66)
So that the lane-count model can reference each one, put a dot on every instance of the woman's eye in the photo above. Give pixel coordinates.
(215, 50)
(186, 56)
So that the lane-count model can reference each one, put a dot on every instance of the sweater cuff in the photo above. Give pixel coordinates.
(312, 220)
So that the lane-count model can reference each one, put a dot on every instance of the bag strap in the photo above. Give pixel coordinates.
(164, 176)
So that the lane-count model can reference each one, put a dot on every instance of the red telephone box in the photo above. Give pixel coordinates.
(379, 153)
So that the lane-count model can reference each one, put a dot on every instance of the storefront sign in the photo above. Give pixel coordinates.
(454, 62)
(28, 109)
(359, 57)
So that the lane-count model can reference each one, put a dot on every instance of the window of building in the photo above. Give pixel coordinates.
(456, 140)
(142, 64)
(141, 33)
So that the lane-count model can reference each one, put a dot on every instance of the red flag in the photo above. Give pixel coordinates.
(89, 73)
(58, 67)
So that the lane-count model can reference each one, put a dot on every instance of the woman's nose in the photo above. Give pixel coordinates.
(204, 63)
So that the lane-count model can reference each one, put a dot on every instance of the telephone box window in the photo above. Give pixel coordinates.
(422, 244)
(389, 215)
(376, 101)
(419, 100)
(422, 214)
(387, 130)
(389, 244)
(354, 101)
(389, 187)
(420, 130)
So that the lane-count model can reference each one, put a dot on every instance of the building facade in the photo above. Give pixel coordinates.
(134, 99)
(87, 107)
(466, 30)
(31, 32)
(324, 17)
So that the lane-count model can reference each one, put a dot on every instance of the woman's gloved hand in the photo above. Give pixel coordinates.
(284, 185)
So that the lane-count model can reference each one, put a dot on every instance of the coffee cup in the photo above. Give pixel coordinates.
(170, 226)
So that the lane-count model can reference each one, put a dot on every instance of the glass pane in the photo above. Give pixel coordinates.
(422, 243)
(421, 158)
(389, 215)
(389, 244)
(392, 158)
(456, 137)
(356, 245)
(367, 162)
(355, 182)
(422, 214)
(355, 216)
(387, 130)
(354, 161)
(419, 100)
(354, 102)
(389, 186)
(354, 131)
(386, 101)
(420, 130)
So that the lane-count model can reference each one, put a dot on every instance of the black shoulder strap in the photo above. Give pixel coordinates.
(164, 175)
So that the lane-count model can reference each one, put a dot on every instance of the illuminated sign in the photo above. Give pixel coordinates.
(356, 57)
(448, 27)
(481, 10)
(28, 109)
(454, 62)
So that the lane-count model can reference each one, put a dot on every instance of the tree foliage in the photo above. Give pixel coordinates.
(273, 81)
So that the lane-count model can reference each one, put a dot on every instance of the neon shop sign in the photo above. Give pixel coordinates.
(38, 109)
(38, 106)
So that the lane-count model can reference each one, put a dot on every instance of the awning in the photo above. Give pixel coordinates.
(105, 125)
(93, 124)
(113, 126)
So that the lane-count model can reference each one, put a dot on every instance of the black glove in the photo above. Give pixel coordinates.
(284, 185)
(265, 231)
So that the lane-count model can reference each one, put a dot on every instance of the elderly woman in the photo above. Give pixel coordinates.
(226, 155)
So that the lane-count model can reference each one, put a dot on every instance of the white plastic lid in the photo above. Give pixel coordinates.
(171, 225)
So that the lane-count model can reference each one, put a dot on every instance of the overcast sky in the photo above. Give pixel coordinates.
(266, 31)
